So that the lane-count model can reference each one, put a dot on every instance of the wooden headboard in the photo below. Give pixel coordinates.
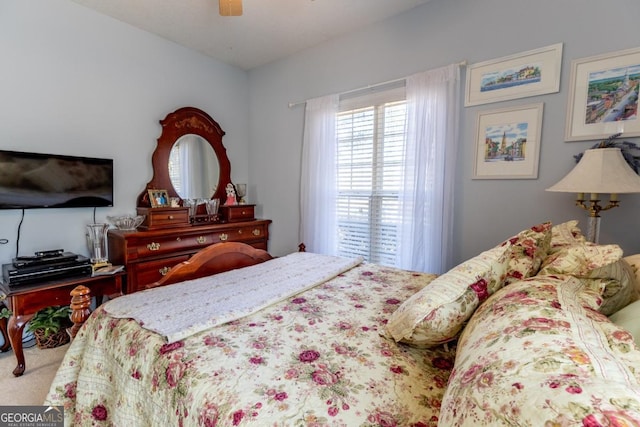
(213, 259)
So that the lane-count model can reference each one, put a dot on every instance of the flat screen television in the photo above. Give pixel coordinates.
(35, 180)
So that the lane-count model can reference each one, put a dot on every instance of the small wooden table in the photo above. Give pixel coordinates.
(26, 300)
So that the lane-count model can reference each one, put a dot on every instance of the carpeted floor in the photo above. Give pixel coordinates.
(32, 387)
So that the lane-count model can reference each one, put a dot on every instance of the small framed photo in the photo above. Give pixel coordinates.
(508, 143)
(603, 96)
(159, 198)
(530, 73)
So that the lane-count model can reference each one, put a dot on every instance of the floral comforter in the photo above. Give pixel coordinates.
(318, 358)
(538, 353)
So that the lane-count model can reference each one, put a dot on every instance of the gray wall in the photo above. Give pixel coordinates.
(76, 82)
(436, 34)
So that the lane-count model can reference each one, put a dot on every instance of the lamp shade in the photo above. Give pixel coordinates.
(600, 170)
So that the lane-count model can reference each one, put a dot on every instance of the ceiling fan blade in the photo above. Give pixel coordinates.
(230, 7)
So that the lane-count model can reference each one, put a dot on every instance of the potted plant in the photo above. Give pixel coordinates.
(5, 313)
(50, 325)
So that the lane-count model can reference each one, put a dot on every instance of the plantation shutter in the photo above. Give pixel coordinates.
(371, 136)
(174, 170)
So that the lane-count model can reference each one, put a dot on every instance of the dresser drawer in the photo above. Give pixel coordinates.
(235, 213)
(159, 245)
(240, 233)
(147, 272)
(147, 253)
(158, 218)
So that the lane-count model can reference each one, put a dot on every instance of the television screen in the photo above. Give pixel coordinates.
(34, 180)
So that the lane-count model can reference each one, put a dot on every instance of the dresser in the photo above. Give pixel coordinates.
(172, 234)
(148, 255)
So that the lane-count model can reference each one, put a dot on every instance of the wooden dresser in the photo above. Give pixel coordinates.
(148, 255)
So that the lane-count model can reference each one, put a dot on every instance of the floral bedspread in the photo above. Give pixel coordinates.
(318, 358)
(538, 353)
(211, 301)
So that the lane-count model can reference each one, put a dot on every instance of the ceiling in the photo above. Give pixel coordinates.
(267, 31)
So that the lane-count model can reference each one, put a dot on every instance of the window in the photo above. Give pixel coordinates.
(378, 171)
(371, 134)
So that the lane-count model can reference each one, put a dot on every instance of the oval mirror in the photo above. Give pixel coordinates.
(189, 123)
(193, 167)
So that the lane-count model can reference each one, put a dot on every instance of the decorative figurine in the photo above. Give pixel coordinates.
(241, 192)
(231, 195)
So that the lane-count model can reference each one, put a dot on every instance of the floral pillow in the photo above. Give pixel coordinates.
(537, 354)
(437, 313)
(601, 267)
(529, 249)
(566, 234)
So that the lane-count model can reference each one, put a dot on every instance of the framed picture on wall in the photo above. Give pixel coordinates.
(508, 143)
(530, 73)
(603, 96)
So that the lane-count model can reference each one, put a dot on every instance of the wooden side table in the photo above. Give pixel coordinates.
(26, 300)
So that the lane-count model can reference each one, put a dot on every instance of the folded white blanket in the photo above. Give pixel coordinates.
(183, 309)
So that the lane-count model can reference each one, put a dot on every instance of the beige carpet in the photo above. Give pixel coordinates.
(32, 387)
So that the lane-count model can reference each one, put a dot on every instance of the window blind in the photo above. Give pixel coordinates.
(371, 135)
(174, 169)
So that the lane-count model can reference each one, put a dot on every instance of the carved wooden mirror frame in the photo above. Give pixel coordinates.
(184, 121)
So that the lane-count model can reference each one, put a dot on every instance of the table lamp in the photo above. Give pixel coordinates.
(600, 171)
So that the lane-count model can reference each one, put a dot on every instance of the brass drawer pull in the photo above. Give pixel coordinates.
(164, 270)
(201, 239)
(244, 212)
(178, 239)
(170, 216)
(223, 237)
(153, 246)
(256, 232)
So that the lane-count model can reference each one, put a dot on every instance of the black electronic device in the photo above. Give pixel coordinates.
(77, 265)
(38, 261)
(50, 252)
(37, 180)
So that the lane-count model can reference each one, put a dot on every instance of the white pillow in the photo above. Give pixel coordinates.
(629, 319)
(634, 262)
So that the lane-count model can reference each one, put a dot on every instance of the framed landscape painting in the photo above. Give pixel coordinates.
(508, 143)
(530, 73)
(603, 97)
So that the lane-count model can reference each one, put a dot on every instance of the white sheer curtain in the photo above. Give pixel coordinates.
(196, 167)
(427, 198)
(191, 163)
(426, 230)
(318, 187)
(183, 168)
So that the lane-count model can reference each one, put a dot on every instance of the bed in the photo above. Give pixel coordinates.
(517, 335)
(315, 358)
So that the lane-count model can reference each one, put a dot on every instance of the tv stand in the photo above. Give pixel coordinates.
(25, 301)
